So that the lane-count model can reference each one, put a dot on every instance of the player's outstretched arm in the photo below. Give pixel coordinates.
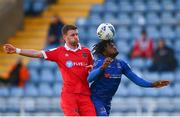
(10, 49)
(161, 83)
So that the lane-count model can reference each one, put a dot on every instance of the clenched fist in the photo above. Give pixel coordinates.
(9, 49)
(107, 61)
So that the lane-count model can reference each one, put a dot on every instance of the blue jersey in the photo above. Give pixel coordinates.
(105, 82)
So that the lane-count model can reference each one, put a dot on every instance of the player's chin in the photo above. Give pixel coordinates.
(115, 54)
(74, 43)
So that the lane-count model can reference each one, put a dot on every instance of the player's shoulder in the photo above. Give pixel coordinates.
(122, 62)
(85, 49)
(59, 48)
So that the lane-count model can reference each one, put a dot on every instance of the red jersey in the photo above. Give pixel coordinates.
(72, 64)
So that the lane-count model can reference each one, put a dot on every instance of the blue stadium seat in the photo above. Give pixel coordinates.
(30, 90)
(119, 105)
(110, 7)
(4, 92)
(29, 104)
(136, 32)
(43, 104)
(176, 89)
(57, 89)
(177, 75)
(167, 32)
(125, 6)
(138, 18)
(97, 8)
(154, 16)
(177, 16)
(45, 90)
(177, 31)
(123, 47)
(153, 32)
(168, 18)
(164, 105)
(133, 105)
(123, 33)
(82, 34)
(167, 76)
(92, 33)
(81, 21)
(39, 5)
(16, 92)
(124, 19)
(110, 18)
(153, 5)
(166, 92)
(114, 1)
(13, 104)
(46, 75)
(150, 92)
(177, 3)
(116, 113)
(176, 103)
(134, 90)
(34, 76)
(55, 104)
(49, 65)
(151, 76)
(168, 5)
(148, 63)
(58, 76)
(125, 105)
(34, 64)
(95, 19)
(176, 46)
(3, 104)
(139, 6)
(170, 43)
(122, 91)
(151, 102)
(138, 63)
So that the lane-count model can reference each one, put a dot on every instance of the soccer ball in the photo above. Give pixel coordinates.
(105, 31)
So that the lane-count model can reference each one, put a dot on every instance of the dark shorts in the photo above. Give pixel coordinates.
(102, 109)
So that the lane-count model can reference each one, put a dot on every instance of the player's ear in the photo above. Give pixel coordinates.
(64, 36)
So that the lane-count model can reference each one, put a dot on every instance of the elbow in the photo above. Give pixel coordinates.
(89, 79)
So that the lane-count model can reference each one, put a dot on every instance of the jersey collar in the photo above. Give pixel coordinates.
(74, 50)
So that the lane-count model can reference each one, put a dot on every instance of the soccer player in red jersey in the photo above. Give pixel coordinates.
(74, 62)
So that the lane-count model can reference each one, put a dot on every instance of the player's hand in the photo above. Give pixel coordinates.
(9, 49)
(107, 61)
(161, 83)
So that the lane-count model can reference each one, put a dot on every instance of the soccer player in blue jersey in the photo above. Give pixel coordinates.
(106, 76)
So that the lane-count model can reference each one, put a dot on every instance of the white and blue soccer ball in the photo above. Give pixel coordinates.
(105, 31)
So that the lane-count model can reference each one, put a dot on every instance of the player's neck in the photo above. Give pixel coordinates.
(72, 46)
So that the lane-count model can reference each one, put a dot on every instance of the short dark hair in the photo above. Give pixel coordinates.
(66, 28)
(99, 48)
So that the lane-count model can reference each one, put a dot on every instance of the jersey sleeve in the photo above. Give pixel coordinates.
(90, 58)
(133, 77)
(51, 54)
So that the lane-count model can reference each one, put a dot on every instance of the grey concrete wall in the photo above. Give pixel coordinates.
(11, 18)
